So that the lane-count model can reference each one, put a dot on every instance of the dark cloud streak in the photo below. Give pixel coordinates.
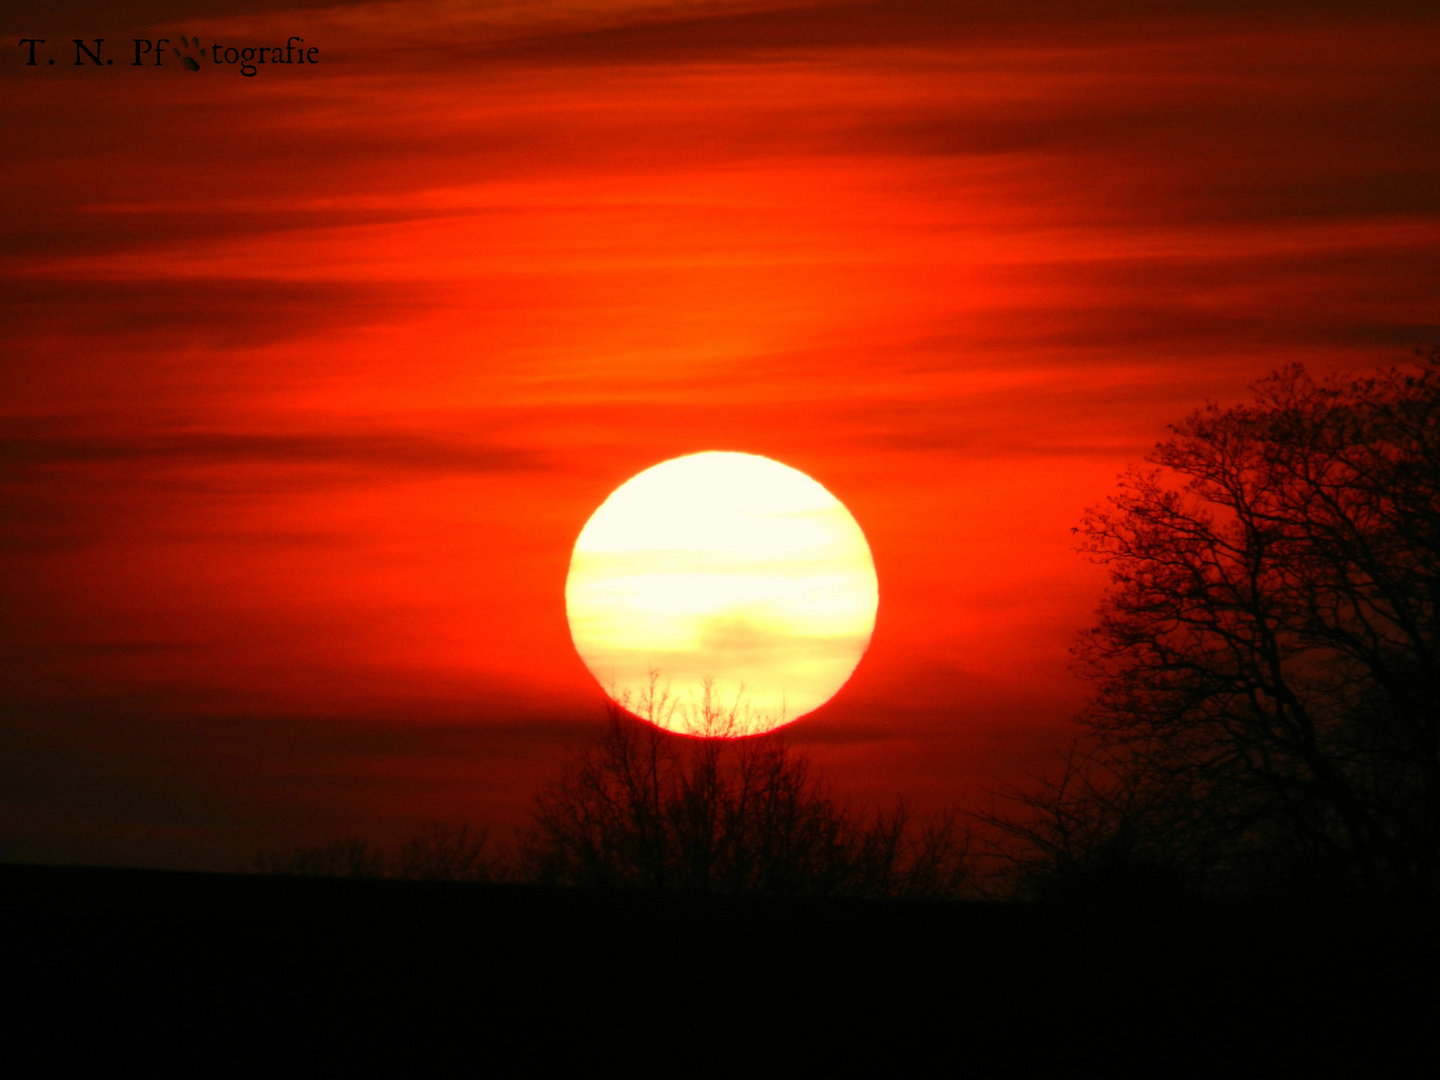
(361, 449)
(213, 313)
(815, 29)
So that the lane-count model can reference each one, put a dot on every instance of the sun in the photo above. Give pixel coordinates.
(721, 593)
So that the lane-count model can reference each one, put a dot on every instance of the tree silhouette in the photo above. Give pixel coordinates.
(648, 809)
(1266, 658)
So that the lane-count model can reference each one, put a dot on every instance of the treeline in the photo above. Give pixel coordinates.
(1265, 721)
(646, 809)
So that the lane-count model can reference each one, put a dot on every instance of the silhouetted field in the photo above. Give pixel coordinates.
(96, 938)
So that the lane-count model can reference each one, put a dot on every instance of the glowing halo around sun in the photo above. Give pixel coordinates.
(721, 593)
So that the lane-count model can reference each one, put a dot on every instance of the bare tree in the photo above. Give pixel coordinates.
(719, 813)
(1269, 650)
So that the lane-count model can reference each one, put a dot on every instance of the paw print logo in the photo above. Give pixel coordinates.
(189, 62)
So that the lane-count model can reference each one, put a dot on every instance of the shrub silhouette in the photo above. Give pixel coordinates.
(438, 852)
(1103, 829)
(647, 809)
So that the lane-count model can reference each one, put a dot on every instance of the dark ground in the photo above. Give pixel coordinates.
(228, 952)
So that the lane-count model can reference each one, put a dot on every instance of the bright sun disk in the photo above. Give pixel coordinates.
(721, 583)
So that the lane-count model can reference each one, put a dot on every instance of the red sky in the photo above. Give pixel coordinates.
(309, 380)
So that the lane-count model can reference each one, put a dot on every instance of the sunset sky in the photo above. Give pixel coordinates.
(311, 379)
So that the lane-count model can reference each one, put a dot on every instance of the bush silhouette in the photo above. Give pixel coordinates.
(647, 809)
(438, 852)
